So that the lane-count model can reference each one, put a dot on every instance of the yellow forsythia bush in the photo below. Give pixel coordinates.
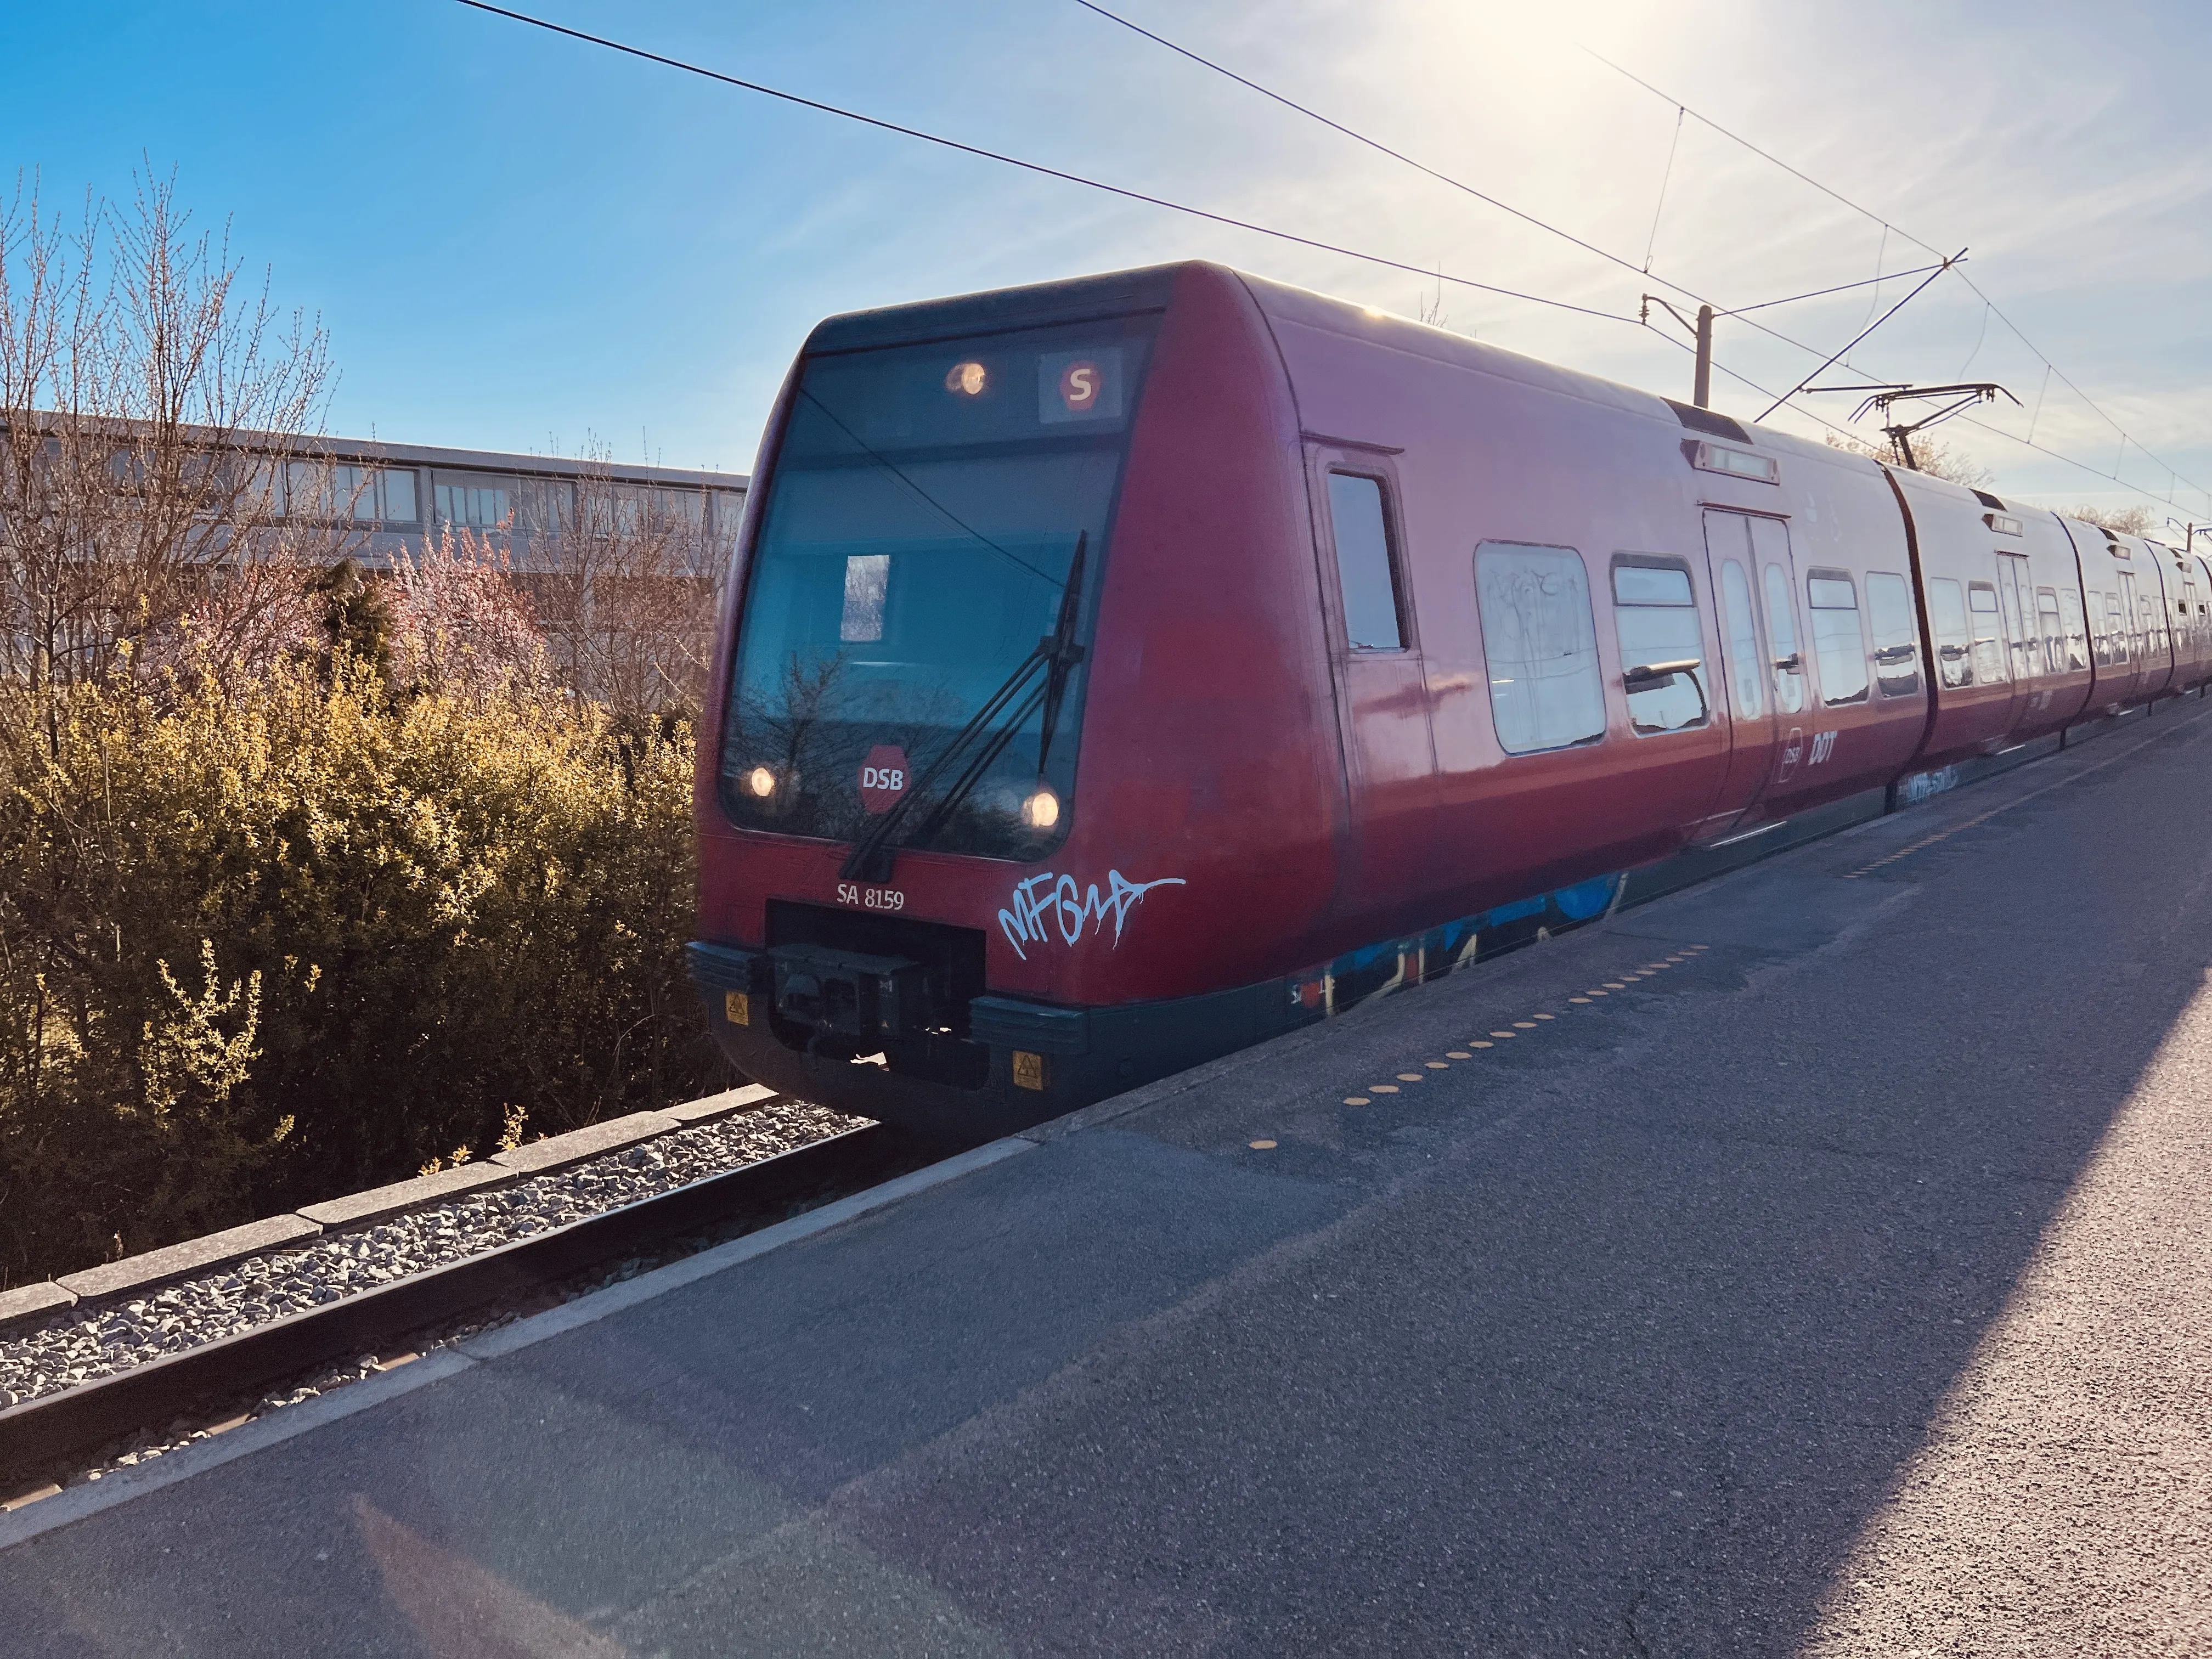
(269, 938)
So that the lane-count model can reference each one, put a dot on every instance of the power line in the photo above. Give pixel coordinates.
(1840, 287)
(1460, 184)
(1888, 228)
(1376, 145)
(1310, 242)
(1862, 335)
(1032, 167)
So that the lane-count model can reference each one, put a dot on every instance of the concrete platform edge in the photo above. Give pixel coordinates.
(599, 1304)
(76, 1504)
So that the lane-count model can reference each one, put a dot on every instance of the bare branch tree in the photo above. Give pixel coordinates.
(624, 579)
(150, 415)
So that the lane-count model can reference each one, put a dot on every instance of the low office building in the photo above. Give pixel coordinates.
(395, 494)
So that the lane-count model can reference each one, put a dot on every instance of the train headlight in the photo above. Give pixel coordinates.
(967, 378)
(760, 783)
(1041, 809)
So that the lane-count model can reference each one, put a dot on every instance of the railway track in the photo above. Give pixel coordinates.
(53, 1438)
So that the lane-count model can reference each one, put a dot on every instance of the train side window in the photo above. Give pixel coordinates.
(2121, 613)
(2053, 633)
(1366, 568)
(1955, 641)
(1837, 642)
(1748, 679)
(1539, 637)
(1662, 645)
(1988, 636)
(1896, 636)
(2077, 642)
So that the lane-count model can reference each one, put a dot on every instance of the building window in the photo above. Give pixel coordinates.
(474, 503)
(1366, 572)
(1662, 646)
(548, 506)
(1896, 636)
(1541, 639)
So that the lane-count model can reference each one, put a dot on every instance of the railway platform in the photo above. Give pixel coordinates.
(1814, 1261)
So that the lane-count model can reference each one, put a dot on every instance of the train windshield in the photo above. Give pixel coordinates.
(926, 510)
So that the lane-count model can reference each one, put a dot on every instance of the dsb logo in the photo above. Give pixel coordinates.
(883, 777)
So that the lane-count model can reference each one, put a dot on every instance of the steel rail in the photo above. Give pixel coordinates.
(41, 1438)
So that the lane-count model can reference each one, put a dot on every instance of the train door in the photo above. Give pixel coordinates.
(2131, 629)
(1762, 660)
(2016, 603)
(1382, 695)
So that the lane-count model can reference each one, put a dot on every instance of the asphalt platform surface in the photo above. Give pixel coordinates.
(1842, 1287)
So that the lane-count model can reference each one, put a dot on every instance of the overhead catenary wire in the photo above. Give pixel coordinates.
(1274, 232)
(1862, 335)
(687, 67)
(1441, 177)
(1444, 178)
(1890, 229)
(1039, 168)
(1681, 111)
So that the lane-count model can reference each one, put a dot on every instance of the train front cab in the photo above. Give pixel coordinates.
(914, 525)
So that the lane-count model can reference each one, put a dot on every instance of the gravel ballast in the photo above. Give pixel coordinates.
(98, 1338)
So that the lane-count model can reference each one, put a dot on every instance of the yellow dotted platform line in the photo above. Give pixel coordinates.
(1536, 1021)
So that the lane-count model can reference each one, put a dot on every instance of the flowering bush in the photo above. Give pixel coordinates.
(268, 937)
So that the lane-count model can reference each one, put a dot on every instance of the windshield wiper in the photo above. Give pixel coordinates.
(1065, 653)
(875, 852)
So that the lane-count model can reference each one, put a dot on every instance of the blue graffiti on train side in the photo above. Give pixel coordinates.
(1378, 971)
(1047, 904)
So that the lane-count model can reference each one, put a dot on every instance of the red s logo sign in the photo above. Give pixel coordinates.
(1079, 385)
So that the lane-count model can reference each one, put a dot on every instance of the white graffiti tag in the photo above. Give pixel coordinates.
(1047, 903)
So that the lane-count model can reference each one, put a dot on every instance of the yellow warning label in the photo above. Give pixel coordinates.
(738, 1007)
(1029, 1070)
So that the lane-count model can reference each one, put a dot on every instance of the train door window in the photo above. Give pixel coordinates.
(1747, 679)
(2116, 632)
(1663, 644)
(1896, 636)
(1366, 570)
(1837, 642)
(1771, 541)
(2131, 614)
(2053, 633)
(1954, 639)
(1989, 642)
(2015, 604)
(1541, 639)
(2077, 643)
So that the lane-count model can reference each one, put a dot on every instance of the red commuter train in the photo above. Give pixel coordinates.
(1123, 670)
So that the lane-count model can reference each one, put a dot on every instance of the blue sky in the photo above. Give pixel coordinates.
(519, 242)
